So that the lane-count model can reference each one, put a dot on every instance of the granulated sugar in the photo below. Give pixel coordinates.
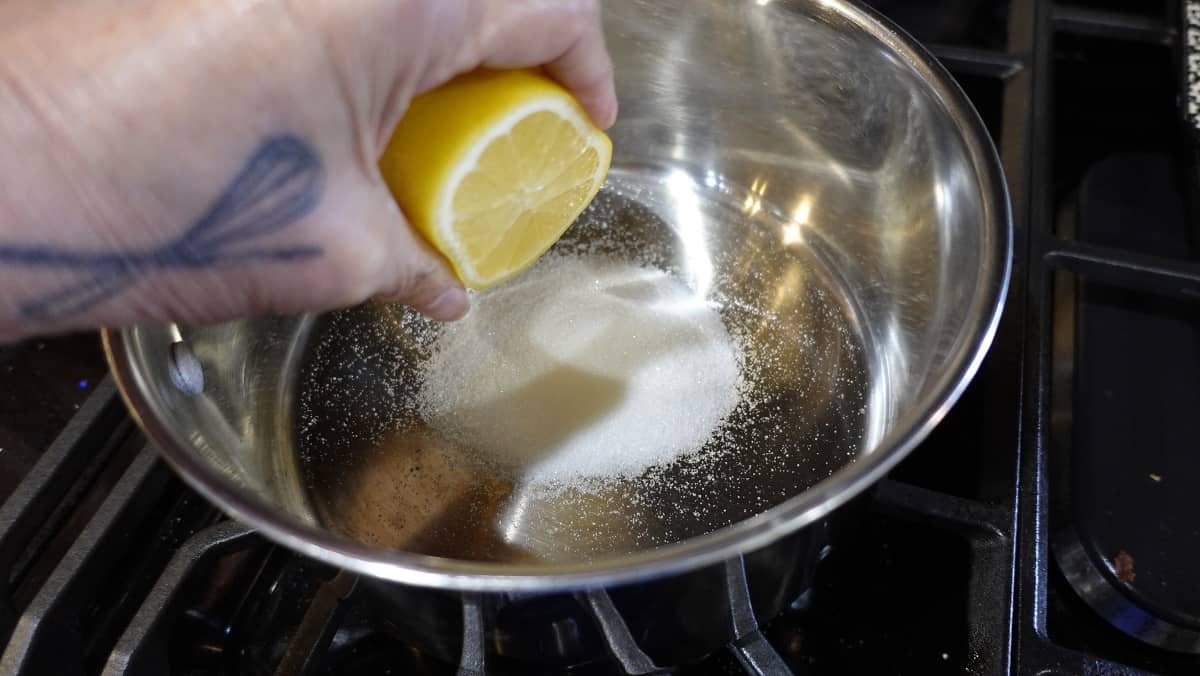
(583, 368)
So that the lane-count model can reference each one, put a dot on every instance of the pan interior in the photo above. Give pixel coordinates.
(377, 468)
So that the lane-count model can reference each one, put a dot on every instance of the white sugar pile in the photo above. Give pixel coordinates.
(583, 369)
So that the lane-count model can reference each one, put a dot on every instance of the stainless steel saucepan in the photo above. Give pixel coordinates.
(800, 165)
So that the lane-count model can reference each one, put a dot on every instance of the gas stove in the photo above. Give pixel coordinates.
(1048, 526)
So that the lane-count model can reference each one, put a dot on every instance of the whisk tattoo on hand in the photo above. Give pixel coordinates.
(280, 184)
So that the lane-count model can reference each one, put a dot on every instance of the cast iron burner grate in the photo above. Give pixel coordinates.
(114, 567)
(963, 561)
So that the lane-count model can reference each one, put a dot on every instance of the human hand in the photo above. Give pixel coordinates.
(197, 161)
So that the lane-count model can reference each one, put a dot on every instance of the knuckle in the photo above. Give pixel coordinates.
(587, 13)
(419, 281)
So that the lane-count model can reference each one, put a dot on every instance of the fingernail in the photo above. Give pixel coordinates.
(451, 305)
(614, 114)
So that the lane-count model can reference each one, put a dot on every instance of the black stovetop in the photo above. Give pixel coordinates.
(1046, 527)
(42, 384)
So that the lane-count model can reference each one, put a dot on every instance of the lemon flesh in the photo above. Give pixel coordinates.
(493, 167)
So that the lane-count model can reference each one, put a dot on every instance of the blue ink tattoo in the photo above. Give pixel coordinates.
(280, 184)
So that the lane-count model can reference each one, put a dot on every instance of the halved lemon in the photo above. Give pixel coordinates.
(493, 167)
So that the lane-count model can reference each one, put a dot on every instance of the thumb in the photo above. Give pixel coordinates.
(419, 276)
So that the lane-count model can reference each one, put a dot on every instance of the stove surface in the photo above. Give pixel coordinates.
(42, 384)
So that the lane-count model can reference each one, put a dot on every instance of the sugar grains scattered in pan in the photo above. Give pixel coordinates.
(801, 391)
(585, 368)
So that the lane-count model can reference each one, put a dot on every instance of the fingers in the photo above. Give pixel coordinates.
(564, 36)
(424, 281)
(416, 275)
(586, 69)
